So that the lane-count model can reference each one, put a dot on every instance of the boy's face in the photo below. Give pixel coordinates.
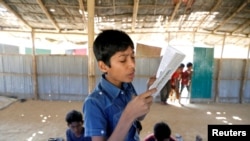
(122, 67)
(180, 69)
(76, 127)
(190, 68)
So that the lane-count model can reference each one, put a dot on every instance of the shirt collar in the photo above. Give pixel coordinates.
(110, 89)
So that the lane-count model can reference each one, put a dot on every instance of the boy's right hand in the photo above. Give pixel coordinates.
(140, 105)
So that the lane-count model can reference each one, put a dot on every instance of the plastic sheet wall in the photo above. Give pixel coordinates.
(59, 77)
(66, 77)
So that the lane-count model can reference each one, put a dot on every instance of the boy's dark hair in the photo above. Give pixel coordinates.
(162, 131)
(181, 65)
(74, 116)
(108, 42)
(189, 64)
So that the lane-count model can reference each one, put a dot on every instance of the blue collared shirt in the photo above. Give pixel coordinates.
(71, 136)
(103, 108)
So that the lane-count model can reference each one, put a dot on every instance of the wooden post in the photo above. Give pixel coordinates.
(216, 97)
(91, 58)
(34, 66)
(244, 76)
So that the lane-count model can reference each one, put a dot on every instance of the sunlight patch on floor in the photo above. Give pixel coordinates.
(223, 117)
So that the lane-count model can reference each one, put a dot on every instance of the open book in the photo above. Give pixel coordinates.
(170, 61)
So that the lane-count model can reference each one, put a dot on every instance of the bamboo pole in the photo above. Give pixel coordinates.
(91, 58)
(216, 97)
(244, 77)
(34, 76)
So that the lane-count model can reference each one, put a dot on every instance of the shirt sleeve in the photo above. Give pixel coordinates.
(95, 122)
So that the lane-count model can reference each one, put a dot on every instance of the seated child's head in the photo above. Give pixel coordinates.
(162, 131)
(75, 122)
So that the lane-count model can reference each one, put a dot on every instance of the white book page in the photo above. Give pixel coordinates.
(170, 61)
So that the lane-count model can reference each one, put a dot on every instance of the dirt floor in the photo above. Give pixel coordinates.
(39, 120)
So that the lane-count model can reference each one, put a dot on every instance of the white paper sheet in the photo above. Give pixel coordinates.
(170, 61)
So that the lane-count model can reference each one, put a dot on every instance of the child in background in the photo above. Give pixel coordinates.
(175, 82)
(75, 132)
(162, 132)
(186, 77)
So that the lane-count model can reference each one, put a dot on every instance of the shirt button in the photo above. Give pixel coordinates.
(122, 92)
(100, 93)
(102, 132)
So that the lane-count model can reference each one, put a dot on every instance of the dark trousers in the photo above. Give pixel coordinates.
(183, 86)
(164, 93)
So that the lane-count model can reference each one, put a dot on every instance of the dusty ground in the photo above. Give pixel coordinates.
(40, 120)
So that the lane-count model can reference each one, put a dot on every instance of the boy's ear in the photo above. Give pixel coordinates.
(103, 67)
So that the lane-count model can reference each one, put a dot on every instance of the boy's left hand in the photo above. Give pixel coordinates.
(140, 105)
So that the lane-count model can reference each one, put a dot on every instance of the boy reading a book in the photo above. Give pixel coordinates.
(111, 110)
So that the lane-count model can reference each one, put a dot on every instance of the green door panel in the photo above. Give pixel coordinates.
(202, 78)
